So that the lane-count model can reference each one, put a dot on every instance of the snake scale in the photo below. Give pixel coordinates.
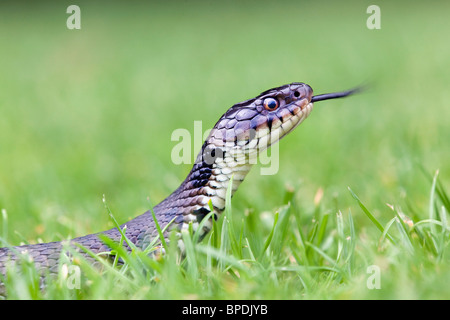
(240, 134)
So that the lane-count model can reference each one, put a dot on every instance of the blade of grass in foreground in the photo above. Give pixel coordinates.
(192, 266)
(403, 230)
(438, 188)
(370, 216)
(431, 203)
(269, 239)
(5, 225)
(158, 227)
(117, 225)
(228, 222)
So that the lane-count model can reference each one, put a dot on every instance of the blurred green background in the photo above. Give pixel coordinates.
(90, 112)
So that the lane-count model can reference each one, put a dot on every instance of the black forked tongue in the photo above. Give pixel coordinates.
(335, 95)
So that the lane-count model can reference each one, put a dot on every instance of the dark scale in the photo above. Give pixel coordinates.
(201, 213)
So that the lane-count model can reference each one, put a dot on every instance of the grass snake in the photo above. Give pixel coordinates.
(240, 134)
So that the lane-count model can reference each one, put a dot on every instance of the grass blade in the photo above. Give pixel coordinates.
(431, 203)
(5, 225)
(269, 239)
(117, 225)
(370, 216)
(158, 227)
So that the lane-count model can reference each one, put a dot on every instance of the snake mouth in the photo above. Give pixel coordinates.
(299, 111)
(305, 107)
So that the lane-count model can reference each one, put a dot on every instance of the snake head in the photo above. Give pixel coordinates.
(238, 137)
(255, 124)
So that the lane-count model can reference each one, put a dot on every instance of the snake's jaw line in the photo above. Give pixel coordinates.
(238, 137)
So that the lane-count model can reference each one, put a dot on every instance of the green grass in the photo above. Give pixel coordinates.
(90, 113)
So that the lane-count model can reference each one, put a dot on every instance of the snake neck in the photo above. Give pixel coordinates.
(207, 182)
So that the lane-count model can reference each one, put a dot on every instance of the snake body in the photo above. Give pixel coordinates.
(241, 133)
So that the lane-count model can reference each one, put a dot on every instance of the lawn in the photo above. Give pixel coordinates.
(358, 208)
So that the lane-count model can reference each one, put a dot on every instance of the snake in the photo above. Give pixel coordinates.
(241, 134)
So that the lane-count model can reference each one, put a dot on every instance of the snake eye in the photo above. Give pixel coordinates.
(270, 104)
